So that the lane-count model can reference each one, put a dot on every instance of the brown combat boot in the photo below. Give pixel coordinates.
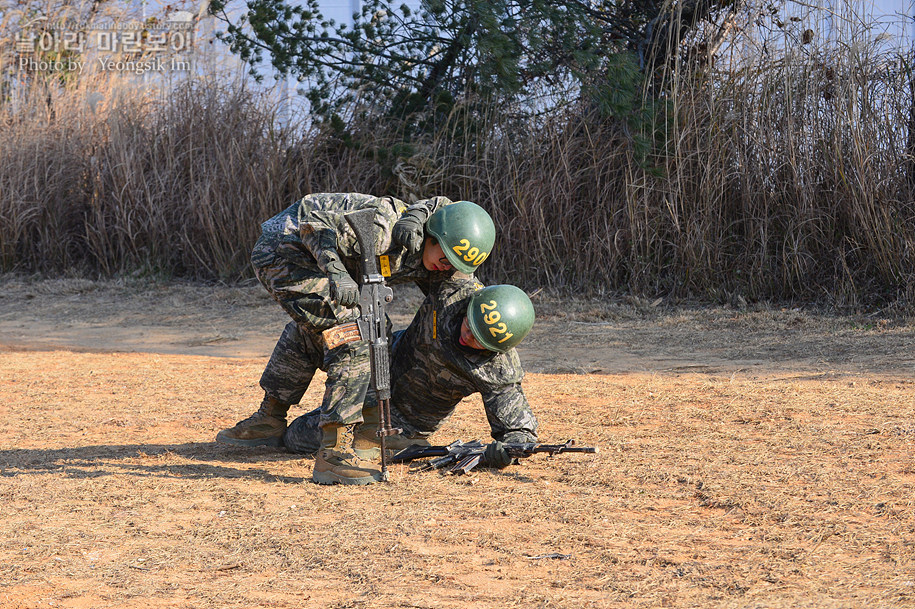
(335, 464)
(366, 444)
(263, 428)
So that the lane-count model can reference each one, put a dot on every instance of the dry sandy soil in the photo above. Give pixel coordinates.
(762, 457)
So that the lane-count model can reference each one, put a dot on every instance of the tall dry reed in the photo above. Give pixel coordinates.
(111, 179)
(783, 177)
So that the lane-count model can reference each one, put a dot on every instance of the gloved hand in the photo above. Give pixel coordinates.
(343, 290)
(496, 456)
(409, 230)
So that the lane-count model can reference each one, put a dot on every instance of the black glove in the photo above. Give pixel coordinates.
(343, 290)
(496, 456)
(410, 229)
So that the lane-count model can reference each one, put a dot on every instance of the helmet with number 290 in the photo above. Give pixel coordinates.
(465, 232)
(500, 316)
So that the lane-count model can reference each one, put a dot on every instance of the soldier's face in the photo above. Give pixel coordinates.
(433, 256)
(467, 338)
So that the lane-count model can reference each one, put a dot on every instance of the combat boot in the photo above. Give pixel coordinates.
(365, 443)
(335, 463)
(263, 428)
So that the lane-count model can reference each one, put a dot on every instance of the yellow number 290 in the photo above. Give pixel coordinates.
(473, 255)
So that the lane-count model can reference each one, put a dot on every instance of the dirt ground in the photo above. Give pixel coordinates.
(754, 457)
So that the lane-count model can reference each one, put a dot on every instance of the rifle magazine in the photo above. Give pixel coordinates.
(466, 464)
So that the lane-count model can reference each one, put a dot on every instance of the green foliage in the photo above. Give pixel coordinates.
(393, 62)
(460, 64)
(618, 94)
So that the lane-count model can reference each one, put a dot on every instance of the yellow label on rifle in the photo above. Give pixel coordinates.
(434, 324)
(385, 266)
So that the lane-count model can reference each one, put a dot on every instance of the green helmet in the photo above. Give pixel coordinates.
(465, 232)
(500, 316)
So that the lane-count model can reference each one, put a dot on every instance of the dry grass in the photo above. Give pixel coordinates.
(786, 176)
(735, 491)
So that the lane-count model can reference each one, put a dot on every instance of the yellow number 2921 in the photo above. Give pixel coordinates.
(492, 321)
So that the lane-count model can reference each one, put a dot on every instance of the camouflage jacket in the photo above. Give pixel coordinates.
(313, 227)
(431, 372)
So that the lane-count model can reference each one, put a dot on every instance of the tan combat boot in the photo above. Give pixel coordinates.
(366, 444)
(263, 428)
(335, 464)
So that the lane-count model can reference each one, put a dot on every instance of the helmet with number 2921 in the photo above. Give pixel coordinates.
(500, 316)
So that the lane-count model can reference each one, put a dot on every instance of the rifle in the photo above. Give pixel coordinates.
(461, 457)
(373, 294)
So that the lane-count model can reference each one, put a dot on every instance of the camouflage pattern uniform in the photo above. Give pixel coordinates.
(431, 372)
(290, 259)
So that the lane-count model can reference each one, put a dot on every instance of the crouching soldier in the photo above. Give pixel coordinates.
(306, 258)
(460, 342)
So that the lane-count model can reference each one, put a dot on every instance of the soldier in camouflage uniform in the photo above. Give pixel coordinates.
(447, 353)
(306, 257)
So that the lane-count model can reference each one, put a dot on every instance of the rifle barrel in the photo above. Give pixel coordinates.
(565, 449)
(418, 452)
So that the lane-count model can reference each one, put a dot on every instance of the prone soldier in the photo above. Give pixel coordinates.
(460, 342)
(306, 258)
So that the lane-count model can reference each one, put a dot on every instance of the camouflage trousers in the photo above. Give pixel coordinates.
(303, 293)
(299, 286)
(298, 354)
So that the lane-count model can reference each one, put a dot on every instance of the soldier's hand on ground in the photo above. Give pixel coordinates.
(409, 230)
(496, 456)
(343, 290)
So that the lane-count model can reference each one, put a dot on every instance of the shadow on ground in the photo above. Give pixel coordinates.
(189, 460)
